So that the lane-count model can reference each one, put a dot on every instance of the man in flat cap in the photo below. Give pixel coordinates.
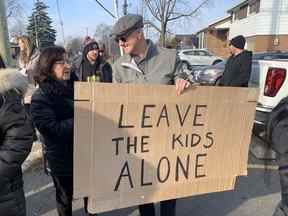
(144, 62)
(238, 67)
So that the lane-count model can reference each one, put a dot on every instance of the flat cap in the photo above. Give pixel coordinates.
(127, 24)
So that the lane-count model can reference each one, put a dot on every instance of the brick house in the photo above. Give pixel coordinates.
(186, 41)
(215, 37)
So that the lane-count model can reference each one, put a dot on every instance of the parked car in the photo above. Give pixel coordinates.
(269, 74)
(196, 57)
(211, 75)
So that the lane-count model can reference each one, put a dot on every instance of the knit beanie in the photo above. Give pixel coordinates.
(91, 46)
(238, 42)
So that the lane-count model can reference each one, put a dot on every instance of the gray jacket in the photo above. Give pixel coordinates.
(160, 66)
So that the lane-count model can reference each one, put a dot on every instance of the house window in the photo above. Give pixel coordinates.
(254, 6)
(241, 13)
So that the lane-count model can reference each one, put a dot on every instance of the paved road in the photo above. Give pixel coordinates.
(251, 197)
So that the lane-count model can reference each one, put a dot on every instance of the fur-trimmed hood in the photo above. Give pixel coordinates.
(12, 79)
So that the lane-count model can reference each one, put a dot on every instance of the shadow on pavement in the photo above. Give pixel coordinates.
(226, 203)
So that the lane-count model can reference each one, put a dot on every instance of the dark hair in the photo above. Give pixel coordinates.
(47, 59)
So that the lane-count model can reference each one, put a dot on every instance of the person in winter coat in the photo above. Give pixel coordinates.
(91, 66)
(28, 58)
(16, 138)
(52, 111)
(238, 66)
(277, 135)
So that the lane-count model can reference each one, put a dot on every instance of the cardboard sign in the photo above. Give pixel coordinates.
(137, 144)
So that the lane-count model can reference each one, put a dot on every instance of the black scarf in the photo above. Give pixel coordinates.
(89, 69)
(56, 89)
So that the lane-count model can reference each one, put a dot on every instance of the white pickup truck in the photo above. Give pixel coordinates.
(273, 84)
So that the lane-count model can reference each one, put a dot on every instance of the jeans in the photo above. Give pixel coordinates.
(167, 208)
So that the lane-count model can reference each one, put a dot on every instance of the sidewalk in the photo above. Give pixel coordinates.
(251, 197)
(34, 159)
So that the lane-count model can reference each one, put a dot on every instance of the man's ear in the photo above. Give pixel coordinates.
(141, 34)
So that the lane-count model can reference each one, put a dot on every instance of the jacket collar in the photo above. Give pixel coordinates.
(57, 88)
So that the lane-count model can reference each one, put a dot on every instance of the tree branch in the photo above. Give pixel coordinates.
(190, 14)
(171, 9)
(9, 14)
(152, 11)
(147, 22)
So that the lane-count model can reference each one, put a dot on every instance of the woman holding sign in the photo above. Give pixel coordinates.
(52, 110)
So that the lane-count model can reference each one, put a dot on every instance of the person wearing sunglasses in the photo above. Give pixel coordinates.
(144, 62)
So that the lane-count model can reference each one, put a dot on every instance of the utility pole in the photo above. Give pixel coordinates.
(4, 38)
(125, 7)
(116, 18)
(116, 10)
(142, 8)
(61, 22)
(143, 15)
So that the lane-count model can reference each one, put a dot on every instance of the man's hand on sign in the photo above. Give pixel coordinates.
(181, 84)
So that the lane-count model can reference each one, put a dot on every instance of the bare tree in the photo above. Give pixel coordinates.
(102, 35)
(17, 28)
(14, 8)
(74, 46)
(166, 11)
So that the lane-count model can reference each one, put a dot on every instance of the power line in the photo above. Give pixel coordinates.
(101, 5)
